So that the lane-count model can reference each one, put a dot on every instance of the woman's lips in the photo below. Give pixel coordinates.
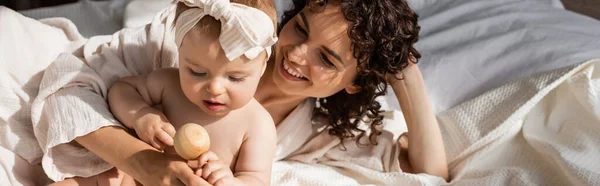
(287, 75)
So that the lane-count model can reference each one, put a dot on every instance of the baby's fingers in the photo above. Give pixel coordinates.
(207, 157)
(218, 175)
(167, 127)
(164, 137)
(156, 143)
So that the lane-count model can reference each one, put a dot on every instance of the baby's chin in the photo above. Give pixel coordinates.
(218, 114)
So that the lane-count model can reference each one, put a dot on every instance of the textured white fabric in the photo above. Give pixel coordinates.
(54, 82)
(244, 30)
(15, 170)
(304, 147)
(540, 130)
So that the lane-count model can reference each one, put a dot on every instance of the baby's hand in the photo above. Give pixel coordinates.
(215, 171)
(153, 127)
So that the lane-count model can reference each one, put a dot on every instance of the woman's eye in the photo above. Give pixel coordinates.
(326, 61)
(300, 30)
(236, 79)
(197, 74)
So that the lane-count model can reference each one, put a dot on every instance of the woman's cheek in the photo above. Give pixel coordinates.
(286, 36)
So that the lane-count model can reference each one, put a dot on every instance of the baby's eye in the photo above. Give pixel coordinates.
(197, 74)
(236, 79)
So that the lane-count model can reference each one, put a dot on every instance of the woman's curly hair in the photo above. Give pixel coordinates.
(383, 33)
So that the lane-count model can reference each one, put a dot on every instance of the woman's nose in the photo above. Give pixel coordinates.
(215, 87)
(298, 54)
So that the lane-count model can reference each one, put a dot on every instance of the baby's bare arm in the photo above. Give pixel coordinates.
(257, 151)
(131, 95)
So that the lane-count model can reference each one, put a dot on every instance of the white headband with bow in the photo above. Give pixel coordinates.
(244, 30)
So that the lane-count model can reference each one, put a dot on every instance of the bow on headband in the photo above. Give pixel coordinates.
(244, 30)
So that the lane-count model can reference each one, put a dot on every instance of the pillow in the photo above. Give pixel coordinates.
(141, 12)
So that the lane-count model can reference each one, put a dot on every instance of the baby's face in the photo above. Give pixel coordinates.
(210, 80)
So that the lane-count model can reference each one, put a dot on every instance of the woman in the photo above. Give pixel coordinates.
(321, 44)
(341, 52)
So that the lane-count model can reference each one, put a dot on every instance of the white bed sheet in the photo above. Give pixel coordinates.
(472, 46)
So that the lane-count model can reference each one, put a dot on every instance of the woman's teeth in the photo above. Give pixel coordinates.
(292, 71)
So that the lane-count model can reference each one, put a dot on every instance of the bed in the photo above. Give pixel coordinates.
(514, 83)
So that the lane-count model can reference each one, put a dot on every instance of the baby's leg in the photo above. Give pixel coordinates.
(112, 177)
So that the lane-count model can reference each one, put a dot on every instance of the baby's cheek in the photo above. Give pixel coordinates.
(242, 96)
(192, 90)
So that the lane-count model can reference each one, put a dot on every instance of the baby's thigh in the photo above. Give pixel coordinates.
(115, 177)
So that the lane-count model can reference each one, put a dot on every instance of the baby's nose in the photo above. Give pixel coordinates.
(215, 88)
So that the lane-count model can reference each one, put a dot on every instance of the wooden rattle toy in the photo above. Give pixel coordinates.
(191, 140)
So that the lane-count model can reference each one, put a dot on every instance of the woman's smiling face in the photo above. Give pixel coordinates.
(314, 57)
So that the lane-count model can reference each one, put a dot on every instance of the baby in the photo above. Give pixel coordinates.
(223, 52)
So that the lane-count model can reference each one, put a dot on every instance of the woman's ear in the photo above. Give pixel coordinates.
(352, 89)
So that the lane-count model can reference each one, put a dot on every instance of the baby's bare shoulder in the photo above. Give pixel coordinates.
(168, 73)
(257, 116)
(167, 76)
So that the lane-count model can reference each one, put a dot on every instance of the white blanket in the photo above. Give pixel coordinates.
(541, 130)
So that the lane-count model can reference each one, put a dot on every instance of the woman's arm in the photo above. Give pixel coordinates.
(426, 152)
(138, 159)
(81, 113)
